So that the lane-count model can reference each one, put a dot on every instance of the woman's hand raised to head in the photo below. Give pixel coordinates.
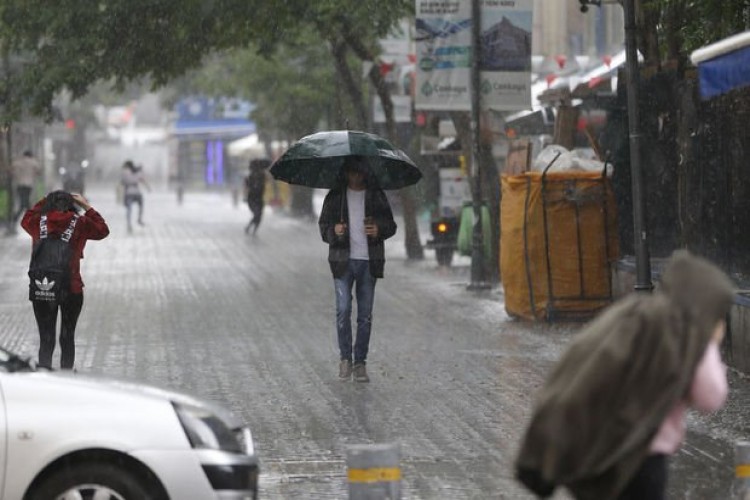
(80, 201)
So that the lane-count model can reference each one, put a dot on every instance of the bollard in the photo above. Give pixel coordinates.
(741, 470)
(374, 472)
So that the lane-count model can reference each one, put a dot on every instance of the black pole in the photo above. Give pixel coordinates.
(640, 236)
(11, 199)
(8, 159)
(477, 248)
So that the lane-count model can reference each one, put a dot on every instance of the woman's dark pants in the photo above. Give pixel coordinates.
(46, 320)
(649, 482)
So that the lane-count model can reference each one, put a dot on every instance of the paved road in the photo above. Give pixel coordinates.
(191, 303)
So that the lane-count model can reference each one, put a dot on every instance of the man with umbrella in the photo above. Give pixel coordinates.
(355, 221)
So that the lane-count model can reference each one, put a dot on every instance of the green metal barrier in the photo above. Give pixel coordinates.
(3, 204)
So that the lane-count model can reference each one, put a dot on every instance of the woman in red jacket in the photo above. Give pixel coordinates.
(60, 207)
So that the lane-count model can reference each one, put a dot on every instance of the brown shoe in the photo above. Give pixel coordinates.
(360, 373)
(345, 369)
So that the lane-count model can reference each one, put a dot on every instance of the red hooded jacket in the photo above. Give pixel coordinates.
(90, 226)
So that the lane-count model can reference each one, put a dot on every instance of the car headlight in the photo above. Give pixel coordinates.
(205, 430)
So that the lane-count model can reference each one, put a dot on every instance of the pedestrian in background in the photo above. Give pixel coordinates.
(255, 189)
(26, 171)
(60, 207)
(132, 178)
(355, 221)
(613, 409)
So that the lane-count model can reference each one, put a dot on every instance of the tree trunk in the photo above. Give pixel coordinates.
(648, 38)
(6, 179)
(489, 187)
(353, 90)
(413, 244)
(673, 21)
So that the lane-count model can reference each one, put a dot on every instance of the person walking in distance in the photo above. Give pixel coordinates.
(26, 170)
(255, 189)
(132, 178)
(355, 221)
(70, 217)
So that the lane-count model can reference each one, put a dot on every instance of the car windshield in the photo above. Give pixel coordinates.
(10, 362)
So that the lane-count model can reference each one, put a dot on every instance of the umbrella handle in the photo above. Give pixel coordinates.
(343, 197)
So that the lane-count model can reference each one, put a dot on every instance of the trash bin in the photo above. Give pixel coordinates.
(466, 230)
(558, 241)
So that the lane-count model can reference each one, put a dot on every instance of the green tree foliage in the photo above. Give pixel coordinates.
(671, 29)
(706, 21)
(292, 90)
(70, 44)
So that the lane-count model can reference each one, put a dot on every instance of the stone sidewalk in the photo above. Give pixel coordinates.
(189, 302)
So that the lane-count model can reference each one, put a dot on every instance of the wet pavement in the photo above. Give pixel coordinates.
(190, 302)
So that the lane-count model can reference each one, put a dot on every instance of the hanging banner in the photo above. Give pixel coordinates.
(505, 54)
(443, 36)
(443, 40)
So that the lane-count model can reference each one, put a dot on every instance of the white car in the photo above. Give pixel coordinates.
(65, 436)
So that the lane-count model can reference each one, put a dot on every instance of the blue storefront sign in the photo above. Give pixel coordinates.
(203, 129)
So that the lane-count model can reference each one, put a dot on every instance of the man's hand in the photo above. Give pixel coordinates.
(371, 229)
(339, 229)
(80, 201)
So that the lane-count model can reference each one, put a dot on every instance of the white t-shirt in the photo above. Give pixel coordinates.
(357, 237)
(131, 181)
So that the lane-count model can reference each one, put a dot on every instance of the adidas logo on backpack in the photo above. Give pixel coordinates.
(44, 285)
(49, 269)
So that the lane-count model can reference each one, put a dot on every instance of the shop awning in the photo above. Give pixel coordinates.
(724, 65)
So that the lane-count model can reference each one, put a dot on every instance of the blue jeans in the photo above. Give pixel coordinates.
(359, 273)
(129, 200)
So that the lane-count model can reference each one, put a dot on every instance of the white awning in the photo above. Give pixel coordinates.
(248, 147)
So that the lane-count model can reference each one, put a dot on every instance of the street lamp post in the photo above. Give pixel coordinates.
(642, 258)
(478, 271)
(7, 147)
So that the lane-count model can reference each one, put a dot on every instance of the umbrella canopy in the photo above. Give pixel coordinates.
(724, 65)
(316, 160)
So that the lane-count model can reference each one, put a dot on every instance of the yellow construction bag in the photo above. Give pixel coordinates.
(558, 238)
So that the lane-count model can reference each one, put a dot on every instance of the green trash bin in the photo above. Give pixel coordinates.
(466, 230)
(3, 204)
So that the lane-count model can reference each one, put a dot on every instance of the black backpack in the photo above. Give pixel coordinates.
(49, 269)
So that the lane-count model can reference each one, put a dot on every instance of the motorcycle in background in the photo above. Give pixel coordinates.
(73, 176)
(454, 192)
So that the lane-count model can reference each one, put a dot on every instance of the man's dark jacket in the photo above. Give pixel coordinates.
(335, 210)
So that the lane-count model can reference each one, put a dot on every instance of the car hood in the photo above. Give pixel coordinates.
(64, 381)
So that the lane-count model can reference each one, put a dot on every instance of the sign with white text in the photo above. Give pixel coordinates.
(443, 39)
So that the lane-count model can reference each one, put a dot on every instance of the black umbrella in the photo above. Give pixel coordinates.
(316, 160)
